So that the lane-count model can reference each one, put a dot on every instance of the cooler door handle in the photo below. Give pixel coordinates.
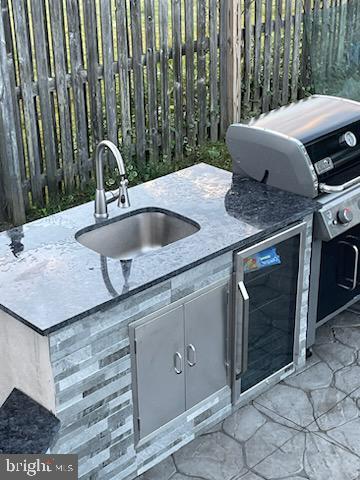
(243, 326)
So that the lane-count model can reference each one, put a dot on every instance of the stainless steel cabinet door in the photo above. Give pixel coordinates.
(205, 344)
(160, 370)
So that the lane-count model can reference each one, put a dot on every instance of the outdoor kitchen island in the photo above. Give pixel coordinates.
(80, 309)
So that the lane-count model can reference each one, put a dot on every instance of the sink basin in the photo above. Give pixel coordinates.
(140, 232)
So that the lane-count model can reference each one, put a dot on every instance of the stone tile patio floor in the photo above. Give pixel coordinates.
(306, 427)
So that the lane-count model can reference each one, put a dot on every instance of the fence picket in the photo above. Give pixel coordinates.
(350, 20)
(325, 27)
(332, 44)
(223, 52)
(92, 73)
(287, 49)
(277, 46)
(109, 97)
(14, 115)
(30, 116)
(213, 70)
(315, 31)
(296, 52)
(247, 52)
(135, 14)
(306, 42)
(123, 60)
(235, 54)
(177, 63)
(63, 100)
(342, 30)
(12, 204)
(164, 77)
(257, 53)
(267, 57)
(151, 66)
(190, 79)
(201, 69)
(47, 117)
(73, 19)
(109, 81)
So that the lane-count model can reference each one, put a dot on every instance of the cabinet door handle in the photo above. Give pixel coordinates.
(191, 355)
(244, 324)
(178, 363)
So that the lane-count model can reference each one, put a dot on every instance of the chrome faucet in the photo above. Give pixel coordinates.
(100, 198)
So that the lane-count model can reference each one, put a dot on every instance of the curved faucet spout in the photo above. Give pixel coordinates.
(100, 199)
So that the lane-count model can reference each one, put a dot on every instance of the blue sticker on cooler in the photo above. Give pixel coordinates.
(265, 258)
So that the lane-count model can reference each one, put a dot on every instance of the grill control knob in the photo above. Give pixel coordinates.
(345, 216)
(348, 139)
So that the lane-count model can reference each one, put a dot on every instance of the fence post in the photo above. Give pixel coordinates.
(234, 61)
(12, 199)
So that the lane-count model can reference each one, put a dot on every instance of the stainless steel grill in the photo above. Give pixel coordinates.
(312, 148)
(309, 147)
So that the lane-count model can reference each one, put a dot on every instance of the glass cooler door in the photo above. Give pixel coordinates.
(266, 307)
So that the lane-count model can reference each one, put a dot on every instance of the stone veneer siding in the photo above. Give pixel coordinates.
(300, 359)
(91, 367)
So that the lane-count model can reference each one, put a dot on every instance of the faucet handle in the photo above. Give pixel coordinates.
(123, 201)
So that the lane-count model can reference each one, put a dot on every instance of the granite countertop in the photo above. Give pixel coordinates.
(47, 279)
(25, 425)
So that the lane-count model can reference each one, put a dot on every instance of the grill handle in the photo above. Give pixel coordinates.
(323, 187)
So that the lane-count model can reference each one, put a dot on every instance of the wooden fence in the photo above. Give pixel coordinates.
(157, 77)
(334, 37)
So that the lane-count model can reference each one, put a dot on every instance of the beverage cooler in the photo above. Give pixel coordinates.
(268, 282)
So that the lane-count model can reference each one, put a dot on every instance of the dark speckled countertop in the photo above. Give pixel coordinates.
(47, 278)
(25, 425)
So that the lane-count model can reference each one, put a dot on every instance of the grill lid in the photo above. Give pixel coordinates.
(311, 118)
(302, 146)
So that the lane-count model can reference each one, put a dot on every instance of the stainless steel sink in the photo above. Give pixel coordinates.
(140, 232)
